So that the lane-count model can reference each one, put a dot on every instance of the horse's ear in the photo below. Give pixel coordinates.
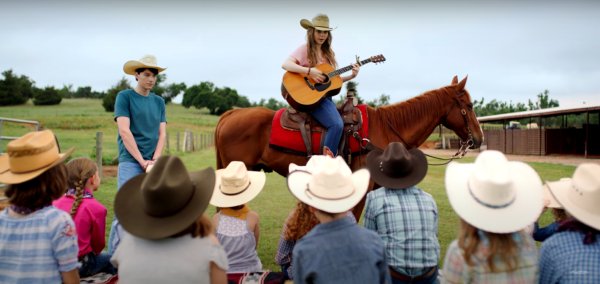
(454, 80)
(461, 85)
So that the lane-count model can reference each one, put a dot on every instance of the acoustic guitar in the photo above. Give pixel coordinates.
(304, 94)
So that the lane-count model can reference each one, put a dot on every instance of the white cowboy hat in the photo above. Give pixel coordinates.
(319, 22)
(310, 165)
(581, 195)
(235, 185)
(548, 196)
(331, 187)
(147, 61)
(493, 194)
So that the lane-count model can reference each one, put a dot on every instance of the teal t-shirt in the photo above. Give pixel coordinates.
(145, 115)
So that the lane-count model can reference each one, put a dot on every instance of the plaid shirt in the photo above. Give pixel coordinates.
(407, 221)
(565, 259)
(456, 269)
(285, 247)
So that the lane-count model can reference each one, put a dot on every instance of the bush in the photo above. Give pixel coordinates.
(108, 102)
(15, 90)
(48, 96)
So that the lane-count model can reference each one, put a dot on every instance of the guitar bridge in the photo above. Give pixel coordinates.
(309, 84)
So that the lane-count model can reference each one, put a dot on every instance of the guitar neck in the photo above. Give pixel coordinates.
(346, 69)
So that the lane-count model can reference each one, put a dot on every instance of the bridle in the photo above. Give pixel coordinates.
(464, 144)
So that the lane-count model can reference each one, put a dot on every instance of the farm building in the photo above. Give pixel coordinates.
(551, 131)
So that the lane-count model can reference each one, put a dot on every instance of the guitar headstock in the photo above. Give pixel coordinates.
(377, 59)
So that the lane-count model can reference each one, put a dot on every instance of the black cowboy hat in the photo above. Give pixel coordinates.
(396, 167)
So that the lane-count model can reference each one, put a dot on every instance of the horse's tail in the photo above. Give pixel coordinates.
(217, 132)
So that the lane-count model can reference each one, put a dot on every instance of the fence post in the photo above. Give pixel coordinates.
(99, 152)
(177, 141)
(197, 145)
(167, 138)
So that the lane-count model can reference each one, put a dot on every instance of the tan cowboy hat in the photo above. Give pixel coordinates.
(30, 156)
(165, 201)
(396, 167)
(236, 185)
(310, 165)
(147, 61)
(331, 187)
(319, 22)
(548, 196)
(581, 195)
(493, 194)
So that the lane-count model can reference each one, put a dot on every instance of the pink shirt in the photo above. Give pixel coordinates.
(301, 54)
(90, 223)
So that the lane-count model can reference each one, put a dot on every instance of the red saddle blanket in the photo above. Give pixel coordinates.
(291, 141)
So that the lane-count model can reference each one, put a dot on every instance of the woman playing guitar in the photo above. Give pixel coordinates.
(317, 50)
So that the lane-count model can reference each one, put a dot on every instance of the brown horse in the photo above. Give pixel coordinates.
(243, 134)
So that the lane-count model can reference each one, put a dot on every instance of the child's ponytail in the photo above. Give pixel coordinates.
(80, 170)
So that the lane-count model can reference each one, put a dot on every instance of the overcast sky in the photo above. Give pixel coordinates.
(511, 50)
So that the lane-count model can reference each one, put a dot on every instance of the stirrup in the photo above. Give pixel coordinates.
(327, 152)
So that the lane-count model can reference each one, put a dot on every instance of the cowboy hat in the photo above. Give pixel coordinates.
(548, 196)
(396, 167)
(319, 22)
(147, 61)
(236, 185)
(29, 156)
(581, 195)
(331, 187)
(165, 201)
(493, 194)
(310, 165)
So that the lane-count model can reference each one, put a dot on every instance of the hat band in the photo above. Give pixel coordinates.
(326, 198)
(239, 192)
(489, 205)
(176, 211)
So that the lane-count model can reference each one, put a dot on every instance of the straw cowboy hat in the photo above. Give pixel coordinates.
(319, 22)
(581, 195)
(310, 165)
(331, 187)
(548, 196)
(147, 61)
(493, 194)
(396, 167)
(236, 185)
(30, 156)
(165, 201)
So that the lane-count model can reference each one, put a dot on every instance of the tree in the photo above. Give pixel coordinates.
(108, 102)
(66, 91)
(167, 91)
(499, 107)
(243, 102)
(49, 96)
(83, 92)
(383, 100)
(15, 90)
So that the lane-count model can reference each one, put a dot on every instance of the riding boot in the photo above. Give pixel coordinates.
(327, 152)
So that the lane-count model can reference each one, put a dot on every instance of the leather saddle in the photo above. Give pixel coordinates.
(305, 123)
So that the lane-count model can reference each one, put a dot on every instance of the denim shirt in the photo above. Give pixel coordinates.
(541, 234)
(340, 252)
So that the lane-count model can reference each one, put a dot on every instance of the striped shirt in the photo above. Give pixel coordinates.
(37, 247)
(407, 221)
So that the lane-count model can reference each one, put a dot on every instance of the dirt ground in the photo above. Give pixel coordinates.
(565, 160)
(109, 171)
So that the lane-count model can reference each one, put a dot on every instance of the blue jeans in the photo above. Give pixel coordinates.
(94, 264)
(428, 280)
(127, 170)
(284, 269)
(328, 116)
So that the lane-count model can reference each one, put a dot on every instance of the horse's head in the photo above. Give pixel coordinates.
(460, 117)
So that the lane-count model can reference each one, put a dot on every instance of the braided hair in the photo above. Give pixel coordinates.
(80, 170)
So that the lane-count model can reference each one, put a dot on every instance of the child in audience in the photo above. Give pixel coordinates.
(169, 237)
(541, 234)
(89, 216)
(495, 200)
(38, 241)
(237, 227)
(336, 250)
(572, 254)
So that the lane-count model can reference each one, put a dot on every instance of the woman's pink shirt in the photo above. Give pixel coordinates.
(301, 54)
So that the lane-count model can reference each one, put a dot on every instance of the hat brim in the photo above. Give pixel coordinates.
(129, 207)
(416, 175)
(297, 183)
(8, 177)
(548, 195)
(560, 190)
(219, 199)
(293, 167)
(131, 65)
(524, 210)
(306, 24)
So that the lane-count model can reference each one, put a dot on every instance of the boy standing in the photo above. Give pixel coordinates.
(404, 216)
(337, 250)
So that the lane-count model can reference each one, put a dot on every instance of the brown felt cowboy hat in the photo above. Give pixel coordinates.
(147, 61)
(29, 156)
(319, 22)
(165, 201)
(396, 167)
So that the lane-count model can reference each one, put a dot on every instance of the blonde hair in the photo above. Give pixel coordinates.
(313, 52)
(80, 170)
(500, 245)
